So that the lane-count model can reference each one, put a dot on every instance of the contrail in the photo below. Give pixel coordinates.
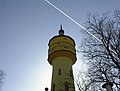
(72, 19)
(75, 22)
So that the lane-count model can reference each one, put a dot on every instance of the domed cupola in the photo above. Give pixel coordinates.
(61, 31)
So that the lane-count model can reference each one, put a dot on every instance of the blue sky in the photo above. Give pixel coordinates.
(25, 29)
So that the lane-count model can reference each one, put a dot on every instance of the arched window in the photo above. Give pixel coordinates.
(71, 73)
(58, 43)
(66, 86)
(59, 72)
(54, 87)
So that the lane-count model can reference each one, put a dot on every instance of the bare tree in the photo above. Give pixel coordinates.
(1, 77)
(103, 57)
(85, 82)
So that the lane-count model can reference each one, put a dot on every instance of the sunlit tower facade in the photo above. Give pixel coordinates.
(62, 55)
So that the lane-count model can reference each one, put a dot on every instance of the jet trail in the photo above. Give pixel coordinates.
(75, 22)
(72, 19)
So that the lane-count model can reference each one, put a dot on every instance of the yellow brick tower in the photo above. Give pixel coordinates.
(62, 55)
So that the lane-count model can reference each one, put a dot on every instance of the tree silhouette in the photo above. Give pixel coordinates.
(102, 57)
(1, 77)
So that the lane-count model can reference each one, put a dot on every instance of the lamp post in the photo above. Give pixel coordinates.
(46, 89)
(108, 86)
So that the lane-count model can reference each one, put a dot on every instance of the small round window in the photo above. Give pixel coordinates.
(65, 38)
(66, 47)
(58, 43)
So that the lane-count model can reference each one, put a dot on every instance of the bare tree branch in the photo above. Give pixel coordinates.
(103, 58)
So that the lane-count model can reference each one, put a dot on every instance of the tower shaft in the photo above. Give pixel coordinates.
(62, 77)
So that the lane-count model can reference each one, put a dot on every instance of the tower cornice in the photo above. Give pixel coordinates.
(62, 53)
(60, 36)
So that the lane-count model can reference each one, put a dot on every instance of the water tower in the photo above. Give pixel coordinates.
(62, 55)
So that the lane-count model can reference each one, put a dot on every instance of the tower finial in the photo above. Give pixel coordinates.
(61, 27)
(61, 31)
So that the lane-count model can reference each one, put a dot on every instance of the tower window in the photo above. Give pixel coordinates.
(54, 87)
(59, 72)
(66, 47)
(71, 73)
(51, 49)
(65, 38)
(66, 86)
(58, 42)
